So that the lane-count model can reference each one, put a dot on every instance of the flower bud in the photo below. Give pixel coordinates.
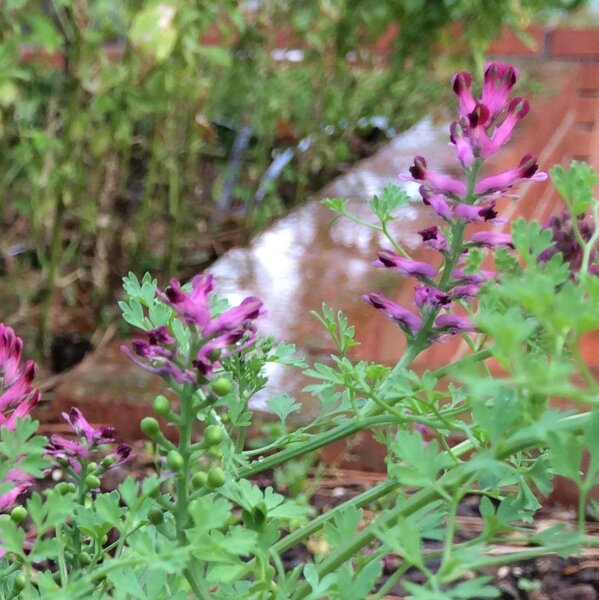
(199, 480)
(213, 435)
(174, 460)
(156, 516)
(150, 426)
(216, 477)
(18, 514)
(92, 482)
(162, 406)
(221, 386)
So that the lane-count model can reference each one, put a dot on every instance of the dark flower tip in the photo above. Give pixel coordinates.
(461, 81)
(528, 165)
(479, 116)
(430, 233)
(418, 170)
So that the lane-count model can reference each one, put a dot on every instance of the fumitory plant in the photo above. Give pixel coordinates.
(483, 425)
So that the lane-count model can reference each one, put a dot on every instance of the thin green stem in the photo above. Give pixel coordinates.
(317, 442)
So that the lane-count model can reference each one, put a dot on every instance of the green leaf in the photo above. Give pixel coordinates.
(338, 205)
(575, 186)
(125, 580)
(344, 526)
(283, 406)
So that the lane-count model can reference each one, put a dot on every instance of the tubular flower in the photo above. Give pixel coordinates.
(425, 295)
(405, 266)
(406, 319)
(480, 212)
(491, 239)
(499, 79)
(436, 202)
(458, 136)
(527, 169)
(461, 83)
(449, 323)
(438, 183)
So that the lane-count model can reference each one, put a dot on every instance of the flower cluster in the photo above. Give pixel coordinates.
(216, 337)
(70, 452)
(566, 242)
(483, 125)
(17, 398)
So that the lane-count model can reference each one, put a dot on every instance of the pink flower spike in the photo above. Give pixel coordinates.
(462, 144)
(406, 319)
(526, 170)
(490, 239)
(454, 323)
(405, 266)
(439, 183)
(436, 202)
(499, 79)
(461, 83)
(11, 348)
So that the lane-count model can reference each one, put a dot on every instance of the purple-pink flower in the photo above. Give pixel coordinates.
(499, 79)
(491, 239)
(406, 319)
(526, 170)
(438, 183)
(217, 337)
(405, 266)
(88, 440)
(450, 323)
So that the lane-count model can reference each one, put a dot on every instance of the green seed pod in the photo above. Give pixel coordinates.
(199, 480)
(92, 482)
(174, 460)
(221, 386)
(162, 406)
(156, 516)
(20, 582)
(84, 558)
(149, 426)
(92, 466)
(213, 435)
(216, 477)
(18, 514)
(64, 488)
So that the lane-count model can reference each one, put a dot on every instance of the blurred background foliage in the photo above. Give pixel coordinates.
(152, 134)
